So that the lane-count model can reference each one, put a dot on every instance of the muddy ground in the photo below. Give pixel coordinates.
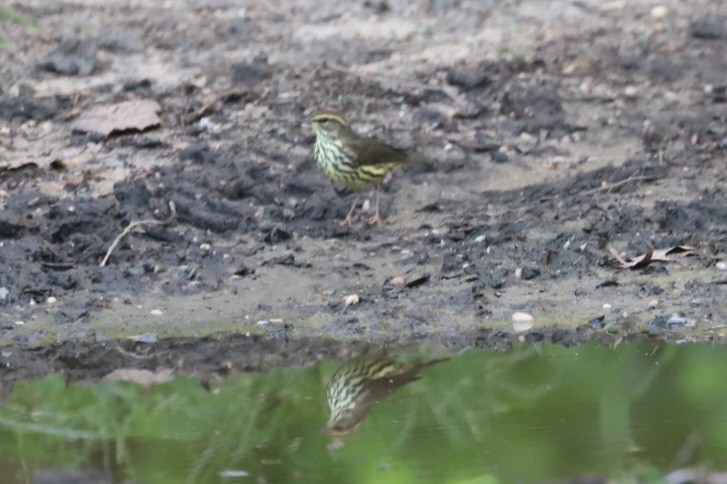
(554, 130)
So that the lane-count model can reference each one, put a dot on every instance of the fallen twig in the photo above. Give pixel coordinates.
(611, 186)
(138, 223)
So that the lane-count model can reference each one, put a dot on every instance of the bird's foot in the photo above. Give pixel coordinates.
(376, 220)
(348, 221)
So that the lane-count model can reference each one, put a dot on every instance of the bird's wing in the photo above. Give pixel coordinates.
(373, 152)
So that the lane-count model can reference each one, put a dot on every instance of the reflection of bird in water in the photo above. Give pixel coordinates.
(363, 381)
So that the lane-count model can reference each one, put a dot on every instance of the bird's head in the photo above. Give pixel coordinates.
(329, 124)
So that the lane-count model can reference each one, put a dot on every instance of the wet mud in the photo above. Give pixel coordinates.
(550, 139)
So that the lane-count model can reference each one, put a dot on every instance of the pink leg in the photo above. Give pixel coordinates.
(350, 219)
(376, 219)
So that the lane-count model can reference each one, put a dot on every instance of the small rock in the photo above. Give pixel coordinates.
(708, 26)
(72, 57)
(722, 266)
(658, 323)
(499, 157)
(51, 300)
(597, 323)
(4, 293)
(467, 77)
(205, 247)
(480, 238)
(653, 303)
(659, 12)
(198, 153)
(156, 312)
(719, 95)
(397, 281)
(521, 322)
(276, 235)
(607, 306)
(351, 300)
(677, 320)
(528, 273)
(19, 323)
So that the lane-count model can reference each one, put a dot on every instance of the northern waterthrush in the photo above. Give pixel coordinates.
(364, 381)
(353, 160)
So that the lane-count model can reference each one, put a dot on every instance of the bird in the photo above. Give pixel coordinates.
(363, 381)
(353, 160)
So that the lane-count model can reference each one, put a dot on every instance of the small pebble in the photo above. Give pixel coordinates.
(156, 312)
(659, 12)
(677, 320)
(607, 306)
(722, 266)
(631, 91)
(205, 247)
(351, 300)
(653, 303)
(521, 322)
(480, 238)
(19, 323)
(597, 323)
(51, 300)
(397, 281)
(528, 273)
(4, 293)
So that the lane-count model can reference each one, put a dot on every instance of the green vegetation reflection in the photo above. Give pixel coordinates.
(636, 411)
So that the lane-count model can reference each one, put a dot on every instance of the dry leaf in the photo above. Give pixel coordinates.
(130, 115)
(651, 255)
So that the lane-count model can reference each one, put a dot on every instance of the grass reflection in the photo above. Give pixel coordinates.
(532, 414)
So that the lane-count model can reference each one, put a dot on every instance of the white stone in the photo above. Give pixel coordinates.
(521, 322)
(351, 300)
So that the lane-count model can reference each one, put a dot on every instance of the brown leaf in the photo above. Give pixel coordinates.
(129, 115)
(651, 255)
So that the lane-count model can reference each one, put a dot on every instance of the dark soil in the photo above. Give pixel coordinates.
(554, 132)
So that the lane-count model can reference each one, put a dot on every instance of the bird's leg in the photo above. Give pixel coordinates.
(376, 219)
(350, 219)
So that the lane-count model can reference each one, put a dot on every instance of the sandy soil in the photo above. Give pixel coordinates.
(555, 130)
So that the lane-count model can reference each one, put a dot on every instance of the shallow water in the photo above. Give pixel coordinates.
(637, 411)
